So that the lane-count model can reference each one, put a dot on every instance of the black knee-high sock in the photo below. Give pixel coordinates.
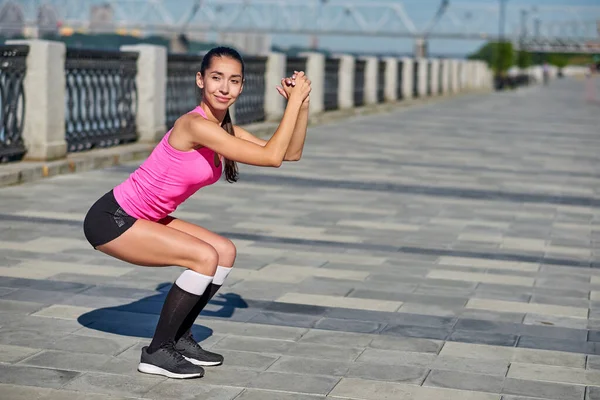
(181, 299)
(188, 322)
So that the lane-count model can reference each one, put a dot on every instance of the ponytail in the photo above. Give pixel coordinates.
(231, 170)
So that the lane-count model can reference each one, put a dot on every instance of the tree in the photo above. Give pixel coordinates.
(500, 56)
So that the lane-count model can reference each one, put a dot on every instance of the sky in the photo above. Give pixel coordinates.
(421, 11)
(469, 13)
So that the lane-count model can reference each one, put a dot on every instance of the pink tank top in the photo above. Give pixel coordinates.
(166, 179)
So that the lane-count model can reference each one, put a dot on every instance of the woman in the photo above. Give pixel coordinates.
(132, 221)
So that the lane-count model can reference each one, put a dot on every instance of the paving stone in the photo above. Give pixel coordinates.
(310, 366)
(377, 390)
(470, 365)
(17, 392)
(314, 350)
(393, 357)
(498, 339)
(13, 354)
(191, 389)
(545, 390)
(309, 384)
(349, 325)
(111, 384)
(256, 345)
(393, 373)
(537, 372)
(72, 361)
(407, 344)
(33, 376)
(464, 381)
(257, 394)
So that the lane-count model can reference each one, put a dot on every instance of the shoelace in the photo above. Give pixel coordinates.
(170, 347)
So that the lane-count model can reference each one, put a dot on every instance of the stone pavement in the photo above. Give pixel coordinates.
(444, 251)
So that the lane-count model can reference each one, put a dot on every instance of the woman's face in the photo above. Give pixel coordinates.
(222, 82)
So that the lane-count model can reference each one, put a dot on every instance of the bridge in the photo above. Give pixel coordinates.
(546, 28)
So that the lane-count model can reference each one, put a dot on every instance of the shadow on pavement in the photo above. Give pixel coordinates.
(139, 318)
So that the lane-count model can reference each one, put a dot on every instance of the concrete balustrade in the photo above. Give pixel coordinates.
(44, 127)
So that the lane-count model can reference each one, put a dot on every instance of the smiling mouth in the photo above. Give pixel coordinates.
(222, 99)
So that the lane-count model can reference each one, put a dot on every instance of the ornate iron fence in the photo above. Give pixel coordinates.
(429, 70)
(359, 82)
(332, 81)
(295, 64)
(400, 79)
(415, 78)
(381, 81)
(441, 73)
(183, 94)
(12, 101)
(250, 106)
(101, 98)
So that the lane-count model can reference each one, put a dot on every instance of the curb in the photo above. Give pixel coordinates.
(31, 171)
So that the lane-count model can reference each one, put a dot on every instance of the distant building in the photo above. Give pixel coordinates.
(247, 43)
(12, 19)
(47, 21)
(101, 18)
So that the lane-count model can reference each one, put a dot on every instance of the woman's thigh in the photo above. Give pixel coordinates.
(224, 247)
(149, 243)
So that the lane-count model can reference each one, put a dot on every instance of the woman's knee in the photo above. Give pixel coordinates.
(226, 251)
(204, 260)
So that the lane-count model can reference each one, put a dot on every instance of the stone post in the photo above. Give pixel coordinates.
(275, 71)
(435, 77)
(45, 92)
(391, 79)
(346, 82)
(151, 82)
(371, 69)
(407, 78)
(315, 70)
(422, 84)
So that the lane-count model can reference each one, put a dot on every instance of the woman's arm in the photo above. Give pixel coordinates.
(294, 151)
(208, 134)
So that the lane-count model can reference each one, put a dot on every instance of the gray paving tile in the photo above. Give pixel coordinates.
(464, 381)
(393, 373)
(33, 376)
(308, 384)
(257, 394)
(544, 390)
(110, 384)
(191, 389)
(310, 366)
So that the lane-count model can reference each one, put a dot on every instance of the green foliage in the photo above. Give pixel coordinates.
(498, 55)
(524, 59)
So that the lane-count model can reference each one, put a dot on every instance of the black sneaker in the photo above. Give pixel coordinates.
(195, 354)
(168, 362)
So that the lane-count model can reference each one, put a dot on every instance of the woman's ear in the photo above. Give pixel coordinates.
(199, 80)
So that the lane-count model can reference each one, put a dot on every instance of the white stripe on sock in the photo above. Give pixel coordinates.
(193, 282)
(220, 275)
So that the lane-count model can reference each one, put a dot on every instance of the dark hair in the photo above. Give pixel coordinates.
(231, 170)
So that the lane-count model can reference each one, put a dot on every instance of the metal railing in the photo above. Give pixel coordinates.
(415, 78)
(381, 64)
(250, 106)
(399, 81)
(359, 82)
(101, 98)
(295, 64)
(332, 73)
(183, 94)
(428, 80)
(12, 100)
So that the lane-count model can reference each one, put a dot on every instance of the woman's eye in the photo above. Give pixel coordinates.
(216, 78)
(235, 81)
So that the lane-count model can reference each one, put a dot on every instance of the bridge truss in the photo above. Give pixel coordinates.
(545, 28)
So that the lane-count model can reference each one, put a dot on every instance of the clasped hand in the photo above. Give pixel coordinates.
(288, 84)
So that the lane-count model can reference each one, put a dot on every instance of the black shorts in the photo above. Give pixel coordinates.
(106, 220)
